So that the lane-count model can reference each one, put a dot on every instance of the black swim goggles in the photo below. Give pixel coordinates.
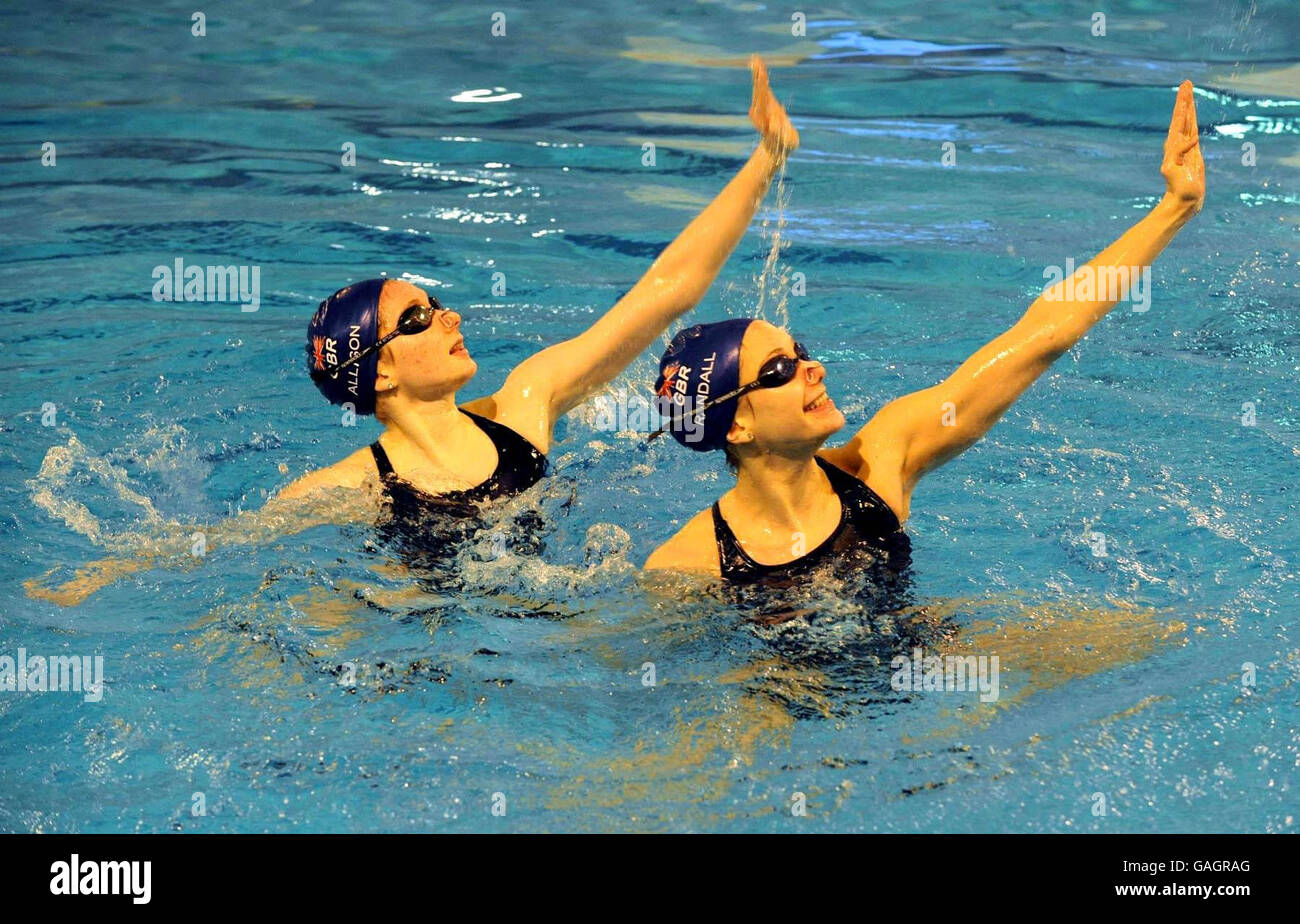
(774, 373)
(414, 320)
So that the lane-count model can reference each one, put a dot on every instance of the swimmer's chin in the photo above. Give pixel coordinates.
(828, 420)
(461, 367)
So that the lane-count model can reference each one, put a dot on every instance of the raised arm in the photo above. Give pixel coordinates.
(562, 376)
(919, 432)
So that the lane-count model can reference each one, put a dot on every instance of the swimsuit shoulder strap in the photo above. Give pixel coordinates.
(381, 460)
(499, 433)
(732, 560)
(519, 462)
(870, 515)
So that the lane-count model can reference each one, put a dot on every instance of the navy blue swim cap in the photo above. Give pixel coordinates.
(345, 324)
(701, 363)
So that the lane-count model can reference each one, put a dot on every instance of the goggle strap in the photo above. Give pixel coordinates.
(742, 390)
(736, 393)
(434, 306)
(364, 353)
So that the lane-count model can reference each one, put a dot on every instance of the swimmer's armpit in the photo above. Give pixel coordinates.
(919, 432)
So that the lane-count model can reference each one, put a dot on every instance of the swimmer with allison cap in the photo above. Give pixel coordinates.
(386, 347)
(749, 389)
(389, 348)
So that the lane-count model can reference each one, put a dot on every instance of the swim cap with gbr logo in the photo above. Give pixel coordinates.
(345, 324)
(701, 363)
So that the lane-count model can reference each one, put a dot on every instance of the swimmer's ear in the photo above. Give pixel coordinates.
(740, 430)
(384, 369)
(739, 433)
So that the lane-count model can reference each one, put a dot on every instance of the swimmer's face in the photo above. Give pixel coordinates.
(426, 365)
(791, 418)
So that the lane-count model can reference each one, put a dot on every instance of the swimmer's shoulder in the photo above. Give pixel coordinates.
(354, 471)
(692, 549)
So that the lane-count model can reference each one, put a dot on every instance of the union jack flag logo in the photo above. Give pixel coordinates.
(317, 351)
(670, 371)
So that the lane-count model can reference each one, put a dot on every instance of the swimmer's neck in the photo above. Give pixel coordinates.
(780, 490)
(436, 429)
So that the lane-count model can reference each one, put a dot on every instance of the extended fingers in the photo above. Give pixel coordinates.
(759, 70)
(1182, 123)
(1185, 110)
(1178, 155)
(1190, 132)
(1192, 128)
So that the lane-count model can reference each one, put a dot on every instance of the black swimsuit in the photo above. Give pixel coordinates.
(868, 536)
(424, 520)
(864, 563)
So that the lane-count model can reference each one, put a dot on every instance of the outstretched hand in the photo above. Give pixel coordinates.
(768, 116)
(1183, 168)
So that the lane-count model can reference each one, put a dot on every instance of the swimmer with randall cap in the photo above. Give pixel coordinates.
(387, 348)
(746, 387)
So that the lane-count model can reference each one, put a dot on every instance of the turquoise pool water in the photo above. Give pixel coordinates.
(314, 683)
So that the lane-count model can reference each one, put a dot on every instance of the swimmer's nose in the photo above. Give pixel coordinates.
(813, 372)
(449, 319)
